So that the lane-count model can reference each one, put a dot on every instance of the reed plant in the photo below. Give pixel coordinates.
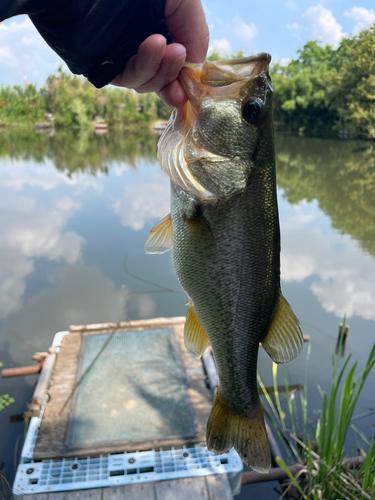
(319, 447)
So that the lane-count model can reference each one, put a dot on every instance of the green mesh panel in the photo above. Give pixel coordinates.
(135, 391)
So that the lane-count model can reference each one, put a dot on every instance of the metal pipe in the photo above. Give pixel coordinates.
(278, 474)
(21, 371)
(275, 450)
(275, 474)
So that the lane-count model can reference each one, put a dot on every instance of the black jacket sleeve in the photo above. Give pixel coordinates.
(95, 38)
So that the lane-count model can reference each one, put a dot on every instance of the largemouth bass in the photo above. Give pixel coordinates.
(218, 150)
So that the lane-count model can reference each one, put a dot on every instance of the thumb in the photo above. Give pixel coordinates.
(186, 22)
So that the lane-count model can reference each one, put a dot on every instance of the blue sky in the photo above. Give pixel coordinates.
(279, 27)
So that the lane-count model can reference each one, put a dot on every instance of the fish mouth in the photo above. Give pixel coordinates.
(184, 145)
(220, 79)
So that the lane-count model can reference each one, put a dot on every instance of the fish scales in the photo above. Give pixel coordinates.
(224, 230)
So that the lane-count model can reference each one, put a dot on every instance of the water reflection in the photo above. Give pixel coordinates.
(72, 207)
(143, 200)
(340, 175)
(29, 231)
(84, 152)
(342, 281)
(339, 178)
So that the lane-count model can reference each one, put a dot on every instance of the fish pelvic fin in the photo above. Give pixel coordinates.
(196, 340)
(160, 239)
(246, 433)
(284, 339)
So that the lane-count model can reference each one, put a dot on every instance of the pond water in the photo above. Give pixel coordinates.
(75, 212)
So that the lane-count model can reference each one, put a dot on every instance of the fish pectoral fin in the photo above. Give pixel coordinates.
(160, 239)
(196, 340)
(284, 339)
(247, 433)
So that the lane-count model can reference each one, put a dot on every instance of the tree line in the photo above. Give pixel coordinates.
(324, 92)
(72, 102)
(329, 92)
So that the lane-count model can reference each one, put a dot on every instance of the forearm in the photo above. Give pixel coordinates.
(95, 38)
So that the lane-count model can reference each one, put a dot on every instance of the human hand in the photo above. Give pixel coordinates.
(156, 65)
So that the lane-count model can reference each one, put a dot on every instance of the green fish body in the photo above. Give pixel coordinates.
(218, 151)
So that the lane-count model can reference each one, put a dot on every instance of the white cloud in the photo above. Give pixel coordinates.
(23, 51)
(141, 203)
(296, 267)
(361, 16)
(342, 279)
(20, 26)
(244, 31)
(290, 4)
(206, 10)
(78, 296)
(29, 231)
(143, 306)
(18, 174)
(35, 40)
(284, 61)
(221, 45)
(7, 57)
(293, 26)
(324, 26)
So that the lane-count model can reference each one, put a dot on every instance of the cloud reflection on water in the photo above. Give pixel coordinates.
(143, 200)
(342, 279)
(32, 231)
(39, 203)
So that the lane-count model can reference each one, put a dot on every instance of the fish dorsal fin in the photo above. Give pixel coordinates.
(284, 340)
(160, 239)
(196, 339)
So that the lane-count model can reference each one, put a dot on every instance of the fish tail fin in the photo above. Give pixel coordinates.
(246, 433)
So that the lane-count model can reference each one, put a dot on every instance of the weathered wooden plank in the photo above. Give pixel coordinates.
(218, 487)
(145, 491)
(93, 494)
(37, 496)
(43, 381)
(190, 488)
(51, 437)
(142, 323)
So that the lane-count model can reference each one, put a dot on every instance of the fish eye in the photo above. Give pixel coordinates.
(252, 109)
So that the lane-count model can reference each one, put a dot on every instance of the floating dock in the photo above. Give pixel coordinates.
(120, 411)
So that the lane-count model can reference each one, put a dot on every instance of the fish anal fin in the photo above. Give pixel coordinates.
(160, 239)
(246, 433)
(284, 339)
(196, 340)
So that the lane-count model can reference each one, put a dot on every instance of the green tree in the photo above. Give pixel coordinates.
(355, 103)
(21, 106)
(70, 99)
(327, 92)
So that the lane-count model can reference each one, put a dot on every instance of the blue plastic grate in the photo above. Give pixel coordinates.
(120, 469)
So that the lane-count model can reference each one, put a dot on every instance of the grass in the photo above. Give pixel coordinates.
(320, 447)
